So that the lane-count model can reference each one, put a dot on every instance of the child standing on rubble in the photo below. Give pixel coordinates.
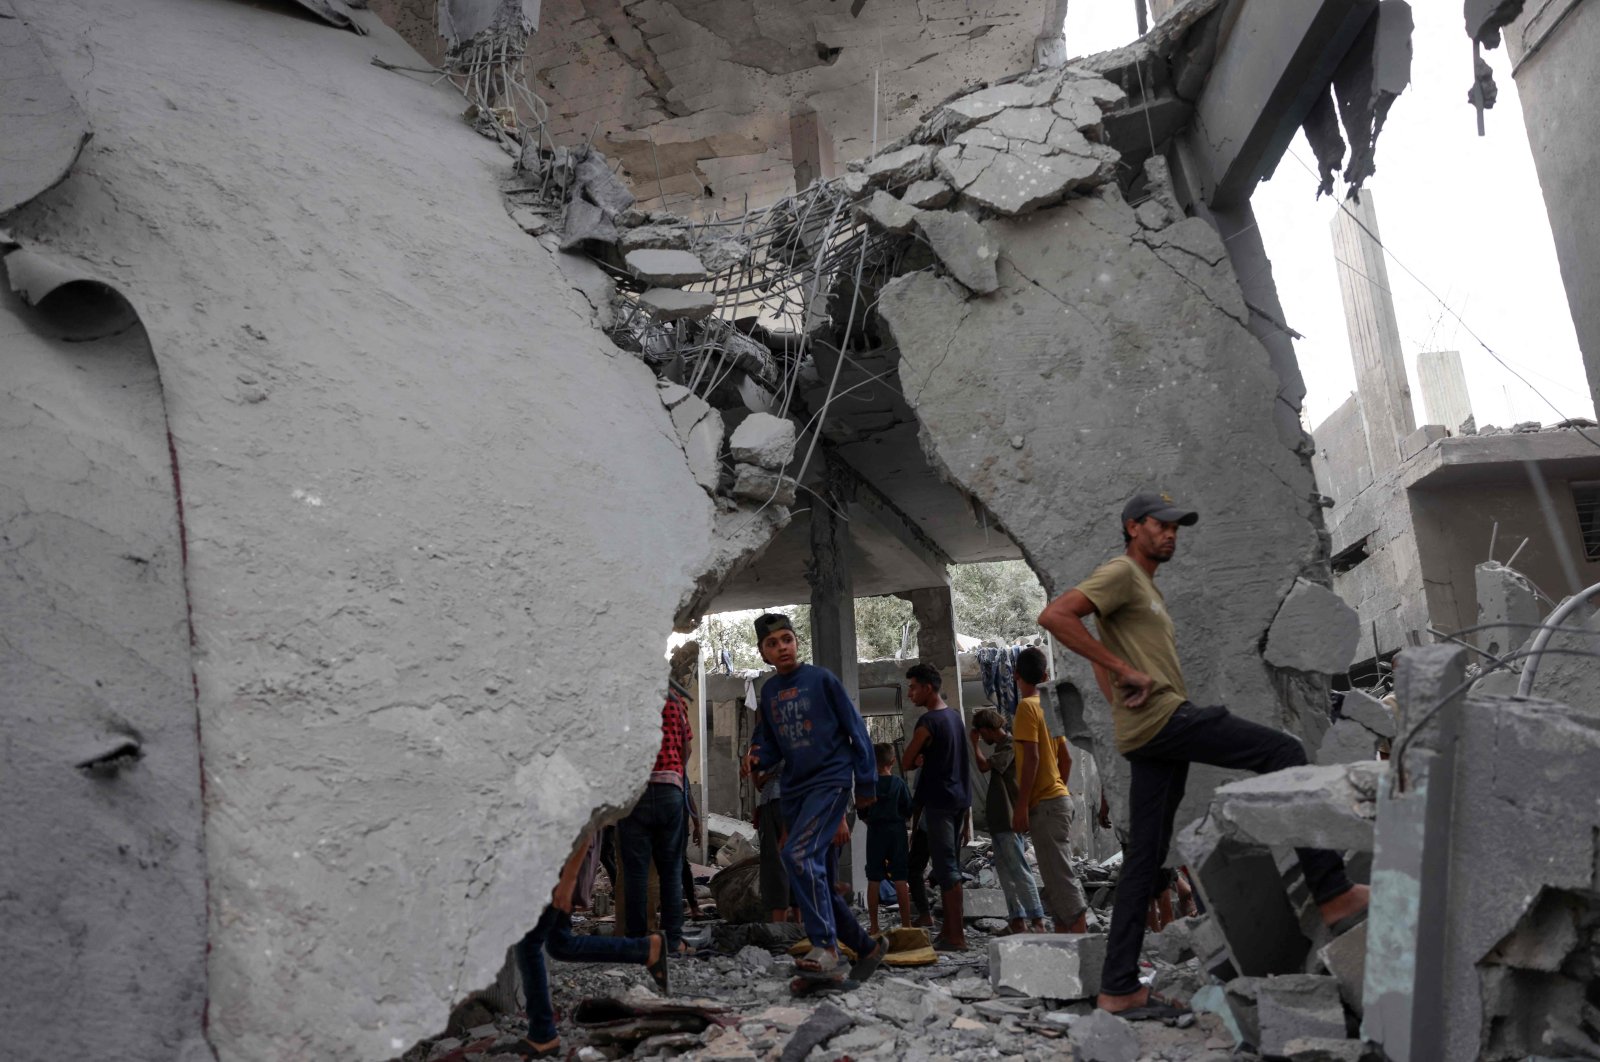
(888, 849)
(807, 720)
(1010, 852)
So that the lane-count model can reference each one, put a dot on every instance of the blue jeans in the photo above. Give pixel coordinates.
(944, 844)
(1016, 880)
(654, 832)
(813, 868)
(554, 932)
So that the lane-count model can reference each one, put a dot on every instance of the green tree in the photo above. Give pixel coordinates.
(999, 601)
(880, 626)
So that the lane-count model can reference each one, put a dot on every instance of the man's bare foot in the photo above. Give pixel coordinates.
(1017, 925)
(1118, 1004)
(1352, 901)
(1080, 925)
(1037, 926)
(872, 929)
(658, 944)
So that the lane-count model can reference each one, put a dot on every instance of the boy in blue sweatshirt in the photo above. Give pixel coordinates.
(807, 721)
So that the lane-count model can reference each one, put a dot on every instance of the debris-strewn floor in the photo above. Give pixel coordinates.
(943, 1011)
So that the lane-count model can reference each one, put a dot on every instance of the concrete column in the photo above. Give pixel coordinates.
(934, 609)
(1369, 316)
(833, 617)
(1405, 969)
(1444, 388)
(810, 146)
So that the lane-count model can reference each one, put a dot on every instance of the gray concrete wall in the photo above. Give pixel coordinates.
(412, 479)
(1076, 384)
(1558, 81)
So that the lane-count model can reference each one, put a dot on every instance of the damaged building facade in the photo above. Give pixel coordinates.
(349, 437)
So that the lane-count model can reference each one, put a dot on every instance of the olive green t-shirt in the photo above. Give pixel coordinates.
(1134, 624)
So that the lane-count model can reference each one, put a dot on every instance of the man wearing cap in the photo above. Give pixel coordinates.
(807, 720)
(1160, 732)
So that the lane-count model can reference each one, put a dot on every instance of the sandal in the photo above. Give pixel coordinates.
(827, 968)
(1155, 1008)
(658, 969)
(868, 964)
(1348, 922)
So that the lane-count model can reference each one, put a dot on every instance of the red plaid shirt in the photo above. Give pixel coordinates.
(675, 736)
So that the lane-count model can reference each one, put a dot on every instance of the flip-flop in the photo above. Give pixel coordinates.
(1154, 1009)
(812, 969)
(868, 964)
(943, 945)
(658, 969)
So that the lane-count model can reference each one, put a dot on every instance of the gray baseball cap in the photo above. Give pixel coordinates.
(1159, 505)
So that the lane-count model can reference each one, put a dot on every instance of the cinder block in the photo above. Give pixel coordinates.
(1048, 965)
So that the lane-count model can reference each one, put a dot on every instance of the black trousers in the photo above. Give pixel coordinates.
(1160, 769)
(917, 866)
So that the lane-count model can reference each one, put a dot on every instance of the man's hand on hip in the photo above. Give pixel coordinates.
(1135, 687)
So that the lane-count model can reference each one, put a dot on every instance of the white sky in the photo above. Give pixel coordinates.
(1464, 213)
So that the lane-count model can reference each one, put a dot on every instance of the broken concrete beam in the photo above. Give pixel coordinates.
(964, 247)
(1347, 742)
(1101, 1036)
(896, 169)
(887, 213)
(668, 268)
(586, 224)
(1370, 712)
(654, 237)
(763, 440)
(762, 486)
(1272, 1011)
(670, 304)
(1330, 806)
(1345, 958)
(1313, 631)
(1047, 965)
(964, 112)
(984, 903)
(929, 194)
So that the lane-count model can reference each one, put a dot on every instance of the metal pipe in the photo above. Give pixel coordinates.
(1542, 639)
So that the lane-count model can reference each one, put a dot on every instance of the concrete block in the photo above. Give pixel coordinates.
(1275, 1010)
(1313, 631)
(1370, 712)
(930, 194)
(1175, 943)
(1421, 439)
(888, 213)
(983, 903)
(671, 394)
(670, 304)
(1103, 1037)
(896, 169)
(1047, 965)
(688, 412)
(1213, 999)
(1346, 960)
(1245, 896)
(763, 440)
(668, 268)
(964, 248)
(1347, 742)
(1332, 806)
(762, 486)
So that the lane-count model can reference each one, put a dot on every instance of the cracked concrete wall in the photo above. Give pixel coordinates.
(103, 880)
(411, 478)
(697, 94)
(1114, 355)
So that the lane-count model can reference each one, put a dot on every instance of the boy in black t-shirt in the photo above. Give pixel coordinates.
(887, 847)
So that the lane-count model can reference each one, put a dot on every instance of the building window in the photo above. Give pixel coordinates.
(1586, 496)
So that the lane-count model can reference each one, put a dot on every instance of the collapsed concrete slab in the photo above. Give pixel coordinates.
(397, 754)
(1048, 966)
